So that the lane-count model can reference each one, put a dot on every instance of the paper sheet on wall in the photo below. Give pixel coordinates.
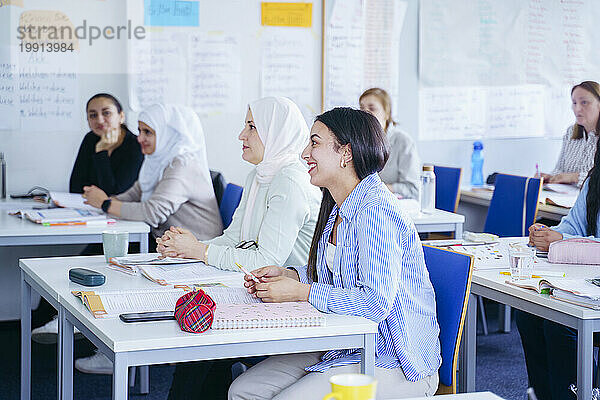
(157, 67)
(511, 43)
(473, 112)
(287, 67)
(214, 73)
(344, 54)
(362, 49)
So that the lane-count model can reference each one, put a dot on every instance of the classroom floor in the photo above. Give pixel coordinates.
(500, 367)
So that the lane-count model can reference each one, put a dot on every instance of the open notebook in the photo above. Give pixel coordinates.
(236, 309)
(577, 291)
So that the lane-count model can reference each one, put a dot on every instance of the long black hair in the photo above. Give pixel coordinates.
(592, 200)
(369, 155)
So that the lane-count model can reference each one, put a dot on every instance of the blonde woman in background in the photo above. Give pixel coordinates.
(401, 172)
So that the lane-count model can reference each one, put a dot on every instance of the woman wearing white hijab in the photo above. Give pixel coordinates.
(174, 186)
(275, 220)
(273, 224)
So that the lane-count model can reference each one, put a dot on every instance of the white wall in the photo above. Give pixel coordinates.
(516, 156)
(46, 159)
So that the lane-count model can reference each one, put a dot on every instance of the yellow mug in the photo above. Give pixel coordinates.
(352, 387)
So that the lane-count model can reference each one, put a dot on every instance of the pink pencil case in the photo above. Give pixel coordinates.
(575, 251)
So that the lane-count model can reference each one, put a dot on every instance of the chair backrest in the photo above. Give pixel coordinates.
(230, 201)
(447, 187)
(450, 275)
(219, 185)
(513, 207)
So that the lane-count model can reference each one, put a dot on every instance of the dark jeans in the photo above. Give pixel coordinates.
(550, 355)
(205, 379)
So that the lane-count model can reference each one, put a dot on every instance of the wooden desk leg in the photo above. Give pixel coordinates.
(25, 339)
(585, 359)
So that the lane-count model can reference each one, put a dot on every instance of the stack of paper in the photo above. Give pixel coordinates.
(186, 274)
(130, 263)
(69, 200)
(66, 216)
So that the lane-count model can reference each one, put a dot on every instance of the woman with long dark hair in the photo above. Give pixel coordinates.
(365, 259)
(550, 348)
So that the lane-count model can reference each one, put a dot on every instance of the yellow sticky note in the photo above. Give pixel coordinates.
(286, 14)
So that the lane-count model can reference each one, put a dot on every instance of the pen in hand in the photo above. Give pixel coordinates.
(245, 271)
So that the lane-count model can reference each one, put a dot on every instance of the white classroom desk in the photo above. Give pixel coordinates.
(439, 221)
(490, 284)
(15, 232)
(161, 342)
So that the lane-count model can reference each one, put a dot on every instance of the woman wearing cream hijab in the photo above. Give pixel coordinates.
(273, 224)
(275, 220)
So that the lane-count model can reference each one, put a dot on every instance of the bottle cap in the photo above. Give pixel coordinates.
(427, 167)
(477, 145)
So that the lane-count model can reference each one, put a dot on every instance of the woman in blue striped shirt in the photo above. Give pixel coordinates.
(365, 260)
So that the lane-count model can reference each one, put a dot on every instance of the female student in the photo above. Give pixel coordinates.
(174, 187)
(109, 156)
(401, 172)
(273, 224)
(365, 259)
(579, 142)
(550, 348)
(275, 220)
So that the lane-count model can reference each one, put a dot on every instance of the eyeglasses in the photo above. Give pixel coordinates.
(246, 244)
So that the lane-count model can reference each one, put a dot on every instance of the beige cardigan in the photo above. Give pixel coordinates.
(178, 200)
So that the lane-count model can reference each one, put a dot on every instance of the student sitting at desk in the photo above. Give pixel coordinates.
(109, 156)
(550, 348)
(579, 143)
(365, 259)
(401, 172)
(174, 187)
(273, 224)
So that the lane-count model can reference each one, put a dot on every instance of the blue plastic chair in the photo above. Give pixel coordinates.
(447, 187)
(450, 275)
(512, 211)
(229, 202)
(513, 207)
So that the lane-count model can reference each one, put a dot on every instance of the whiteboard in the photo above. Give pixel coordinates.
(501, 69)
(361, 49)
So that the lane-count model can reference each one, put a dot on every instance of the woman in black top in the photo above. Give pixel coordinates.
(109, 156)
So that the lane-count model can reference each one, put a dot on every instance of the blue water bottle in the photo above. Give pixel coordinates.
(477, 165)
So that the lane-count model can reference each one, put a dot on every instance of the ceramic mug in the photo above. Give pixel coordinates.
(352, 387)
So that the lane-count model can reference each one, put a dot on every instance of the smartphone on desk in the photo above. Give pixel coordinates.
(147, 316)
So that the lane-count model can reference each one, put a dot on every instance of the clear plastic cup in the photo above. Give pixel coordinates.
(521, 261)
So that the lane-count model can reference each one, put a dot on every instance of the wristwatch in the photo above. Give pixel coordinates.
(106, 205)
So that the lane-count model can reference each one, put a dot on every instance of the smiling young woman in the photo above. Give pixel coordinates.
(365, 259)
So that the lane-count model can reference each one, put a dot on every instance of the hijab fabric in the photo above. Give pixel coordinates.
(284, 133)
(178, 133)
